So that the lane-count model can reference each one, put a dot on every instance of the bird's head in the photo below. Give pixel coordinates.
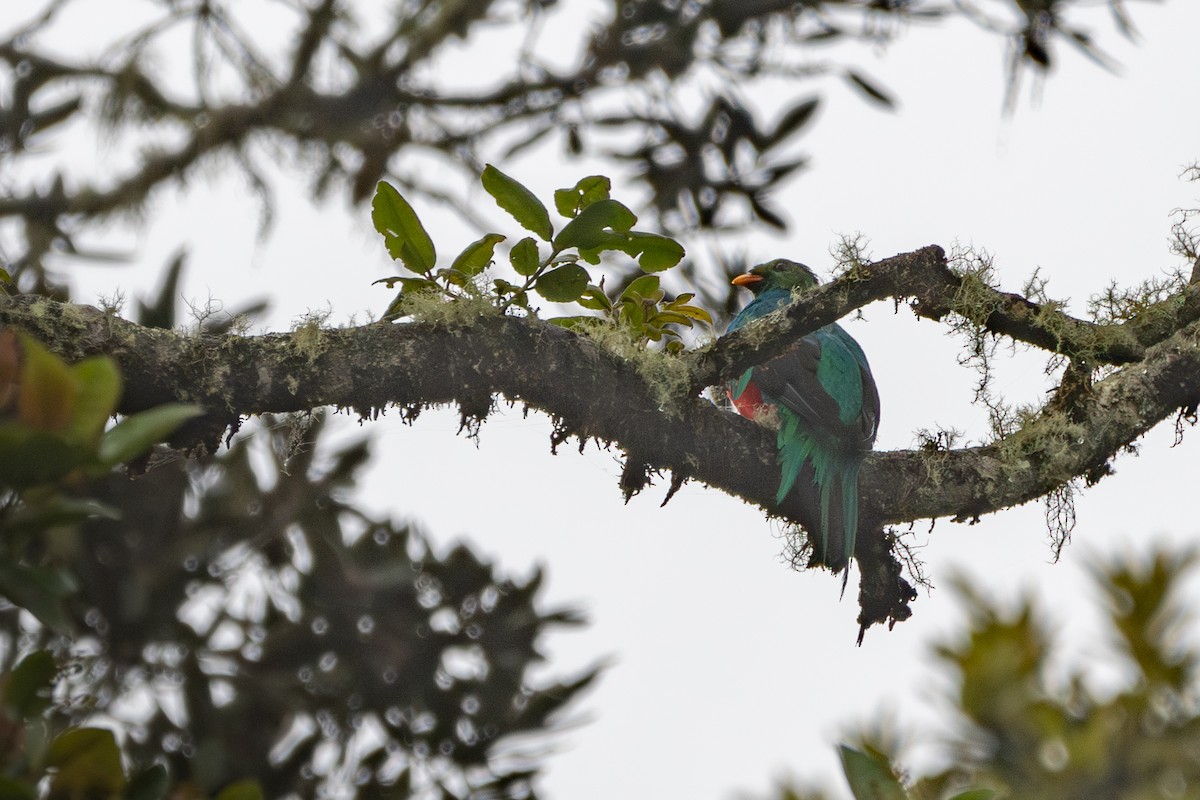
(777, 274)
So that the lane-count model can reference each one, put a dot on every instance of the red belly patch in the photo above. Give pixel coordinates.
(750, 403)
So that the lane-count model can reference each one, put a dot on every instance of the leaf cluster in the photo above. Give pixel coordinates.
(699, 169)
(52, 437)
(44, 758)
(279, 635)
(53, 416)
(553, 264)
(251, 634)
(351, 102)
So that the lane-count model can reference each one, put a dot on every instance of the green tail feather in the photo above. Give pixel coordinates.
(831, 470)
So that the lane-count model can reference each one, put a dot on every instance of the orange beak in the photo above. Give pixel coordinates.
(746, 280)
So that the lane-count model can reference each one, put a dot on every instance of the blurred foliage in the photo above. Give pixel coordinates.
(53, 436)
(53, 416)
(703, 102)
(1021, 733)
(239, 622)
(246, 630)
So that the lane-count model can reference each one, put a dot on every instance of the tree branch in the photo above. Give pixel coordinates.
(646, 403)
(594, 393)
(936, 291)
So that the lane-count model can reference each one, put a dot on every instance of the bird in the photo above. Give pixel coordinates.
(822, 397)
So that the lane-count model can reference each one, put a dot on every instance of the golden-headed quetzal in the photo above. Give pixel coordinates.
(821, 394)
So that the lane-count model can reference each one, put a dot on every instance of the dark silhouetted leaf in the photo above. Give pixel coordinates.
(869, 89)
(767, 214)
(795, 119)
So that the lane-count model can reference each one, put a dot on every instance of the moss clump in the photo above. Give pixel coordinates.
(667, 376)
(308, 335)
(435, 308)
(976, 298)
(851, 255)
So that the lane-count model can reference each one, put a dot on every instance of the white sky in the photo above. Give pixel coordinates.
(729, 669)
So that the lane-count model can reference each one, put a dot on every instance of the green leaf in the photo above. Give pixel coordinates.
(88, 764)
(149, 784)
(100, 391)
(524, 257)
(477, 255)
(411, 285)
(655, 252)
(645, 286)
(60, 511)
(453, 277)
(693, 312)
(27, 691)
(564, 284)
(975, 794)
(49, 388)
(569, 202)
(403, 234)
(30, 457)
(633, 313)
(593, 297)
(16, 790)
(133, 435)
(603, 241)
(515, 295)
(518, 201)
(870, 778)
(41, 591)
(5, 277)
(242, 790)
(671, 318)
(589, 228)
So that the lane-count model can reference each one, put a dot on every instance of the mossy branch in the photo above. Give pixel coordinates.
(936, 291)
(594, 390)
(596, 393)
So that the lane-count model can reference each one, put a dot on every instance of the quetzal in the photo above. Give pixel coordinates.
(823, 397)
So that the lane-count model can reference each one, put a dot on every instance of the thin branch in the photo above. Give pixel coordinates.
(935, 292)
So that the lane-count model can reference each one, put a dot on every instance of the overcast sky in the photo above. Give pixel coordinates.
(728, 669)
